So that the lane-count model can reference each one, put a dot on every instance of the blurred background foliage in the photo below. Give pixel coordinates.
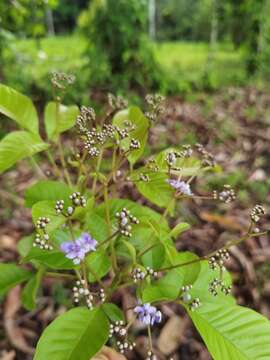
(172, 46)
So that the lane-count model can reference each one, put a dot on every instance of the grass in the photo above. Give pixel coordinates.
(184, 63)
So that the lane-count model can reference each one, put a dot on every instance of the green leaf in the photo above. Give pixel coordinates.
(233, 332)
(47, 208)
(54, 259)
(98, 264)
(78, 334)
(141, 124)
(12, 275)
(19, 108)
(169, 286)
(189, 166)
(18, 145)
(46, 190)
(25, 244)
(113, 312)
(157, 190)
(179, 229)
(58, 120)
(30, 290)
(154, 258)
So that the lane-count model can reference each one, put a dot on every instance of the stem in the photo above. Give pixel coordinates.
(53, 163)
(59, 275)
(150, 338)
(225, 247)
(60, 148)
(108, 239)
(97, 171)
(37, 167)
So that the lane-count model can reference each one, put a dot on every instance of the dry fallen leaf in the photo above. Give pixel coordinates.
(109, 354)
(170, 336)
(15, 333)
(8, 355)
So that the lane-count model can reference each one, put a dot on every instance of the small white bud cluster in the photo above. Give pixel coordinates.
(144, 177)
(219, 259)
(256, 213)
(171, 158)
(186, 297)
(152, 165)
(42, 222)
(117, 102)
(151, 356)
(81, 291)
(208, 158)
(108, 130)
(123, 133)
(94, 151)
(87, 115)
(59, 206)
(77, 199)
(134, 144)
(156, 107)
(195, 304)
(227, 195)
(217, 284)
(125, 346)
(125, 221)
(138, 274)
(117, 329)
(60, 80)
(102, 295)
(42, 241)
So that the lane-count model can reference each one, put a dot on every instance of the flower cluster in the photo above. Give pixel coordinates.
(117, 102)
(195, 304)
(144, 177)
(42, 222)
(77, 200)
(227, 195)
(125, 219)
(217, 284)
(207, 158)
(134, 144)
(186, 297)
(80, 290)
(181, 186)
(60, 80)
(76, 250)
(156, 107)
(148, 314)
(42, 238)
(85, 119)
(42, 241)
(219, 259)
(256, 213)
(138, 274)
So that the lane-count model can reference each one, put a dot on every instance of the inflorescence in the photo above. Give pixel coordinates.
(138, 274)
(181, 186)
(256, 213)
(42, 238)
(119, 330)
(148, 314)
(217, 284)
(76, 250)
(227, 195)
(217, 261)
(77, 200)
(125, 221)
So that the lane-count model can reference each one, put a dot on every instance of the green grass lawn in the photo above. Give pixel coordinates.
(183, 62)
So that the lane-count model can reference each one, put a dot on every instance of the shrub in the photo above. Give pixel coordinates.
(119, 51)
(98, 243)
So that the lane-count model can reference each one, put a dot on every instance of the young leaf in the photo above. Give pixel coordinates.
(157, 190)
(233, 332)
(46, 190)
(169, 286)
(30, 290)
(54, 259)
(154, 258)
(47, 208)
(113, 312)
(18, 145)
(178, 229)
(77, 334)
(136, 118)
(59, 119)
(12, 275)
(98, 264)
(19, 108)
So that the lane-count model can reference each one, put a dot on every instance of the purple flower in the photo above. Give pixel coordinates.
(76, 250)
(148, 314)
(180, 186)
(87, 242)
